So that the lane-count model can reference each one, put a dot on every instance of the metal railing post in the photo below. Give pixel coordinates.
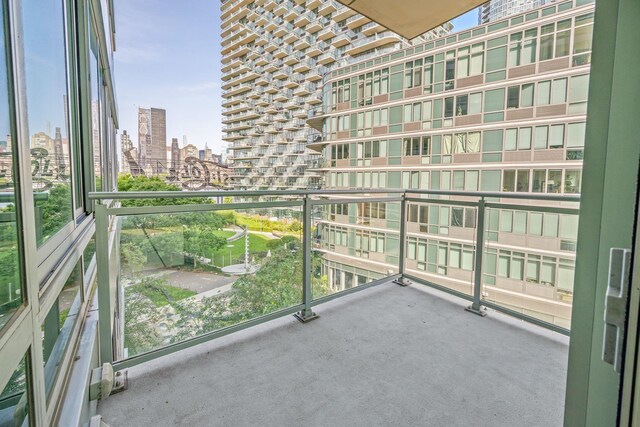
(403, 233)
(104, 293)
(476, 307)
(403, 239)
(307, 313)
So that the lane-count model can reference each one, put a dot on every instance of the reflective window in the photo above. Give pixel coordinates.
(46, 89)
(10, 289)
(58, 325)
(96, 111)
(14, 400)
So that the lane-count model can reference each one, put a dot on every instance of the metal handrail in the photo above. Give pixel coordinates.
(122, 195)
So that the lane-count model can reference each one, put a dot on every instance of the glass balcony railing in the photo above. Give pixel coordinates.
(179, 268)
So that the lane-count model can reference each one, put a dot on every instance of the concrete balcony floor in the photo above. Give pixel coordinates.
(388, 356)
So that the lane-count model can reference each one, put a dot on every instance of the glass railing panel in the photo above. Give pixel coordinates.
(187, 274)
(440, 243)
(529, 261)
(354, 242)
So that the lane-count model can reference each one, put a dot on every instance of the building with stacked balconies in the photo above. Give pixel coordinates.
(274, 56)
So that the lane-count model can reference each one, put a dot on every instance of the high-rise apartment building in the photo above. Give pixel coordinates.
(274, 56)
(498, 108)
(497, 9)
(152, 139)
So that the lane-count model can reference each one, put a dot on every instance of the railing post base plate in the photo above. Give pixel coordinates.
(306, 316)
(480, 311)
(401, 281)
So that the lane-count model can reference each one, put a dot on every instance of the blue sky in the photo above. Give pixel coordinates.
(168, 56)
(464, 21)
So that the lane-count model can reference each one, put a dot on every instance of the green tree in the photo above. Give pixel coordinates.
(140, 319)
(127, 182)
(275, 286)
(289, 242)
(133, 257)
(202, 241)
(55, 211)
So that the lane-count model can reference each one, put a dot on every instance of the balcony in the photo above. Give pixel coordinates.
(327, 8)
(241, 78)
(230, 7)
(376, 41)
(329, 31)
(344, 38)
(305, 89)
(243, 40)
(342, 13)
(403, 354)
(372, 28)
(236, 53)
(357, 21)
(328, 57)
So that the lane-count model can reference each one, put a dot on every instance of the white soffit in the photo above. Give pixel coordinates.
(410, 18)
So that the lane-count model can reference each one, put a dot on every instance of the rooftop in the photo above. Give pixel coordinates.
(386, 355)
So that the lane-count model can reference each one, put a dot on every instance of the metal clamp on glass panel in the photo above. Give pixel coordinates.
(615, 309)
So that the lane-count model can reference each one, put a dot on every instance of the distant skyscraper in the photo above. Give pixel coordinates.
(175, 155)
(152, 138)
(57, 148)
(498, 9)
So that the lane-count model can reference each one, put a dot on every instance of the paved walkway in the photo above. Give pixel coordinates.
(198, 282)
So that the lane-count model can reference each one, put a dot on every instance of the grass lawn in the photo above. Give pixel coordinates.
(161, 294)
(257, 243)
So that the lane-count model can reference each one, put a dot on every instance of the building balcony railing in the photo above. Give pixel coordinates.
(467, 244)
(375, 40)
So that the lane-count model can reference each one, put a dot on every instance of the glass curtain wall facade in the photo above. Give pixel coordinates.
(498, 108)
(57, 143)
(274, 56)
(494, 10)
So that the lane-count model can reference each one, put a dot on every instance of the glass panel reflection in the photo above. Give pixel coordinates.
(10, 289)
(58, 325)
(46, 88)
(187, 274)
(14, 401)
(353, 244)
